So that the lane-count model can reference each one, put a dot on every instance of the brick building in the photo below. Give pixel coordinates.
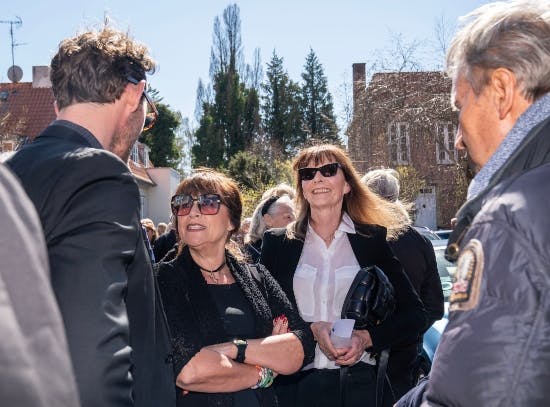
(404, 120)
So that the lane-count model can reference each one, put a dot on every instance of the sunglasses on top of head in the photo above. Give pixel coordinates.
(328, 170)
(152, 112)
(209, 204)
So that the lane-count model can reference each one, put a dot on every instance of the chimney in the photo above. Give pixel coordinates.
(41, 77)
(359, 78)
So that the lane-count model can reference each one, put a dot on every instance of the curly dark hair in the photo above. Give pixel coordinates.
(94, 67)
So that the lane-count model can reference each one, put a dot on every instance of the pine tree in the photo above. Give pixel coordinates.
(281, 109)
(233, 117)
(317, 109)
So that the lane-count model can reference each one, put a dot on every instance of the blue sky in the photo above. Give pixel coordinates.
(179, 34)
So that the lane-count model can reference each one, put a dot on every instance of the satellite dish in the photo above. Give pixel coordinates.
(15, 73)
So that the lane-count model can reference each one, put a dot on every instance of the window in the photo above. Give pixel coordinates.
(445, 144)
(398, 141)
(6, 146)
(134, 155)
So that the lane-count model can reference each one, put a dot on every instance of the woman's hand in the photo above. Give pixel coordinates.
(321, 332)
(280, 325)
(360, 340)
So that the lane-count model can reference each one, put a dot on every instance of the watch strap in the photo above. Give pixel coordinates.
(241, 345)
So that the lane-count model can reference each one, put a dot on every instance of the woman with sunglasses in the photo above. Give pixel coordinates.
(340, 227)
(233, 329)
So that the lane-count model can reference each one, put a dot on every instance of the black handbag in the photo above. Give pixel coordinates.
(369, 301)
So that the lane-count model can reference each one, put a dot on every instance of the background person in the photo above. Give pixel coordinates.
(150, 229)
(76, 175)
(275, 211)
(417, 256)
(161, 228)
(316, 258)
(36, 367)
(166, 243)
(495, 349)
(224, 300)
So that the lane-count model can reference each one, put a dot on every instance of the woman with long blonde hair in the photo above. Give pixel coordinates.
(340, 227)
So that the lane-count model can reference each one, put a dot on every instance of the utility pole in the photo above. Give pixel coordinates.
(18, 22)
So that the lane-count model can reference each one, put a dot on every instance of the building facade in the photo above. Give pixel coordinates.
(404, 120)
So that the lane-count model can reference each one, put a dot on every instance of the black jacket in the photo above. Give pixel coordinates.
(416, 254)
(281, 255)
(88, 203)
(495, 350)
(163, 244)
(195, 322)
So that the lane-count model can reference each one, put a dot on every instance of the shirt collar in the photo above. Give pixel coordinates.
(346, 225)
(85, 133)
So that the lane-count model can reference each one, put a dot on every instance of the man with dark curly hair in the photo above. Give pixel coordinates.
(76, 175)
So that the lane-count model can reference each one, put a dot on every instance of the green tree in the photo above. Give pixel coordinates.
(230, 123)
(255, 174)
(209, 144)
(317, 109)
(281, 109)
(161, 138)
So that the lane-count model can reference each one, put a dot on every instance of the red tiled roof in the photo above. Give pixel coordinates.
(31, 107)
(31, 111)
(140, 173)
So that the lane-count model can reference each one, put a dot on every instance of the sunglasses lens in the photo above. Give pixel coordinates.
(149, 121)
(152, 113)
(329, 170)
(209, 204)
(181, 205)
(307, 174)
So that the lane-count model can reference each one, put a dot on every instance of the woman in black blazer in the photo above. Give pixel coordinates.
(341, 226)
(232, 326)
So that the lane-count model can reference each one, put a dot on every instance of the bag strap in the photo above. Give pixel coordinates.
(380, 376)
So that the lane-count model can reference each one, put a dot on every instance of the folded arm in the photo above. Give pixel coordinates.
(212, 372)
(281, 353)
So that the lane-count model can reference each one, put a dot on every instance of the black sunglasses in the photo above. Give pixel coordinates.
(328, 170)
(153, 114)
(209, 204)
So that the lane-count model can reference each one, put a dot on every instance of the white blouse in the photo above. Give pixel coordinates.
(322, 280)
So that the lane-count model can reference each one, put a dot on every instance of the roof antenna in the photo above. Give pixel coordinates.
(15, 73)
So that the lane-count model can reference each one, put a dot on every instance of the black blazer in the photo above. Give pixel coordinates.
(281, 255)
(195, 322)
(416, 254)
(88, 203)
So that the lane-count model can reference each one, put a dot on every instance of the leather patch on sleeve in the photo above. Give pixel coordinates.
(467, 278)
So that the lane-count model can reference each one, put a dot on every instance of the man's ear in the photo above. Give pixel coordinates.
(132, 95)
(504, 84)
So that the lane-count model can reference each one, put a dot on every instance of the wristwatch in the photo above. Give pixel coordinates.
(241, 345)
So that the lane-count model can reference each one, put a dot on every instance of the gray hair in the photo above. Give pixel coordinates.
(514, 35)
(257, 225)
(383, 182)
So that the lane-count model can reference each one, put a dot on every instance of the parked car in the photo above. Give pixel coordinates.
(443, 233)
(426, 231)
(431, 337)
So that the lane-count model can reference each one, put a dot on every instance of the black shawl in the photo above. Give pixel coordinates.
(194, 320)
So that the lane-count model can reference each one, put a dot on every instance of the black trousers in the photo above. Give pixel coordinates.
(321, 388)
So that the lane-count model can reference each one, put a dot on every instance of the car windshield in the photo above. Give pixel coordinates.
(445, 269)
(424, 231)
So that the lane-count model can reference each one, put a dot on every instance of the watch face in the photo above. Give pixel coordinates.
(239, 341)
